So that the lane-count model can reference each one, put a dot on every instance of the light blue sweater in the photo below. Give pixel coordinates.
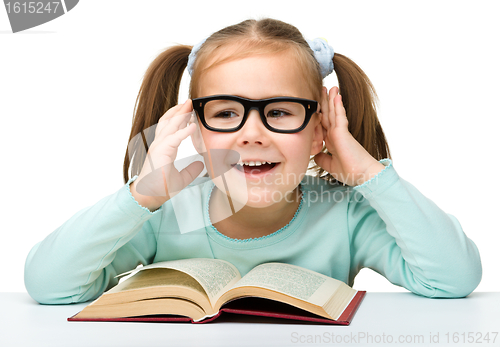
(385, 224)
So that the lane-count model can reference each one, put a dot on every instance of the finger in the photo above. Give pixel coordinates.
(175, 121)
(170, 144)
(171, 125)
(324, 108)
(182, 179)
(190, 172)
(331, 106)
(193, 118)
(163, 121)
(340, 114)
(187, 105)
(329, 164)
(323, 160)
(170, 113)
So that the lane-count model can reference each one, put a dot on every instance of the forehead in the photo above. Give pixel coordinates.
(256, 77)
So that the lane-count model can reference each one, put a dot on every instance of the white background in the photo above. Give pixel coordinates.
(68, 89)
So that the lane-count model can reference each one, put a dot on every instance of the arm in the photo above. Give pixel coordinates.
(78, 261)
(401, 234)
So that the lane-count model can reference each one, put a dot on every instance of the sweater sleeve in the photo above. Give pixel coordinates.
(399, 233)
(79, 260)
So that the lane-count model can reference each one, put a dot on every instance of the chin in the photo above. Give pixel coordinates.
(262, 197)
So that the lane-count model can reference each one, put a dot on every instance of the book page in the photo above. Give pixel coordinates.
(292, 280)
(214, 275)
(159, 277)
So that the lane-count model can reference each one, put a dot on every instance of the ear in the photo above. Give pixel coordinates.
(317, 140)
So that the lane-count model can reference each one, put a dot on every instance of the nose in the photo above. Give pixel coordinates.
(253, 131)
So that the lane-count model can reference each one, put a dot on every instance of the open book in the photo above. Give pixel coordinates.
(198, 290)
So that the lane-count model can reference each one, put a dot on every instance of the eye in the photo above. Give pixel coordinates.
(226, 114)
(278, 114)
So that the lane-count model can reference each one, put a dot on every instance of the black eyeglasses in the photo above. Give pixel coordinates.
(228, 113)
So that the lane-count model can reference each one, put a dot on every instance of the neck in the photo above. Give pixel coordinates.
(252, 222)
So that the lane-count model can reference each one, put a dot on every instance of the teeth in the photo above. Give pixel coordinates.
(253, 163)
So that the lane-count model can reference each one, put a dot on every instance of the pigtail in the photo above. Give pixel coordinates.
(158, 93)
(359, 98)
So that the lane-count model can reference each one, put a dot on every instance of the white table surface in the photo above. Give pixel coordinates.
(381, 318)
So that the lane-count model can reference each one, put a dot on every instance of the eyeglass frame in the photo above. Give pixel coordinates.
(310, 106)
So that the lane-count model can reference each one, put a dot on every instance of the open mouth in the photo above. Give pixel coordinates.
(254, 168)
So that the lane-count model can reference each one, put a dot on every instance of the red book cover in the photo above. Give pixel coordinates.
(250, 307)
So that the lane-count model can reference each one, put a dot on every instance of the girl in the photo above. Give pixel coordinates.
(256, 90)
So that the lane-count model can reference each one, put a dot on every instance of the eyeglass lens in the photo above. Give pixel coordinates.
(227, 114)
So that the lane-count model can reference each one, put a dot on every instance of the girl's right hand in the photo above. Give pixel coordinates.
(159, 180)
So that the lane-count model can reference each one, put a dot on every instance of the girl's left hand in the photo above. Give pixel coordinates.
(349, 163)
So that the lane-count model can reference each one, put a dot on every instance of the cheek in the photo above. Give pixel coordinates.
(215, 140)
(298, 148)
(218, 153)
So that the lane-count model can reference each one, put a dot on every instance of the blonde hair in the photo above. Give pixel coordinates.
(160, 87)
